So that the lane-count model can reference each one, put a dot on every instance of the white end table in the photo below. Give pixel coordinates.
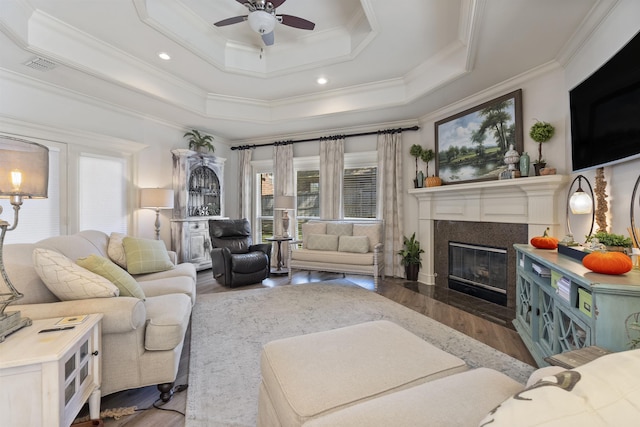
(45, 378)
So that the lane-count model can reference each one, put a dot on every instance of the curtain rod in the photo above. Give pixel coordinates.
(324, 138)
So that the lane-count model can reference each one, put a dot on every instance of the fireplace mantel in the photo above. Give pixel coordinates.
(533, 201)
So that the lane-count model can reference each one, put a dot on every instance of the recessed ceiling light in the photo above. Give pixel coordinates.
(164, 55)
(322, 81)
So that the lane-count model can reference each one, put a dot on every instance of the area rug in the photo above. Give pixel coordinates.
(230, 328)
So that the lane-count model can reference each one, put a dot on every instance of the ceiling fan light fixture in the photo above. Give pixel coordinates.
(261, 22)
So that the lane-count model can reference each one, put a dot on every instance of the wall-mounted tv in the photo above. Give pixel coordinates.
(605, 112)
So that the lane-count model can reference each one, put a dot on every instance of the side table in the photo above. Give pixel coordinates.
(47, 377)
(573, 359)
(280, 269)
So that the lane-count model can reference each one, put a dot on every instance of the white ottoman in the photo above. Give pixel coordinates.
(309, 376)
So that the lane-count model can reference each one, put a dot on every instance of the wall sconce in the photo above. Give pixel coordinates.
(156, 198)
(285, 204)
(24, 173)
(580, 203)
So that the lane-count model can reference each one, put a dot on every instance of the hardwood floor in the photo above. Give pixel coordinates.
(491, 333)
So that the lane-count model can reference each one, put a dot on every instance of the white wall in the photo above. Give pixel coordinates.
(620, 27)
(87, 123)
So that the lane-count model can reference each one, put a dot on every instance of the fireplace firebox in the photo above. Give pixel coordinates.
(479, 270)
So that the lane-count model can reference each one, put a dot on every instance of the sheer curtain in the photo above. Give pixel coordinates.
(246, 185)
(390, 206)
(331, 177)
(282, 181)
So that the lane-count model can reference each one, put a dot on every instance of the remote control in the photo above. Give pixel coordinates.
(63, 328)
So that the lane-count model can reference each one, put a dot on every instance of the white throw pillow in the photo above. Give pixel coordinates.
(115, 249)
(605, 392)
(67, 280)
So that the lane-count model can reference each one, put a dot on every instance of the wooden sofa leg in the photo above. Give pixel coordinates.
(166, 391)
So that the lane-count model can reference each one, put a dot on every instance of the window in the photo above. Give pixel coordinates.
(359, 188)
(37, 219)
(359, 192)
(264, 217)
(102, 194)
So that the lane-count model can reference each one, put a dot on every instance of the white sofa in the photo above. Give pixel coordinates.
(142, 339)
(377, 374)
(349, 247)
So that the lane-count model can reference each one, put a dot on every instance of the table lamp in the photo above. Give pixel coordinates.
(24, 173)
(156, 198)
(284, 204)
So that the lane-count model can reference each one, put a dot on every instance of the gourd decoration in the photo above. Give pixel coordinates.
(608, 262)
(433, 181)
(545, 241)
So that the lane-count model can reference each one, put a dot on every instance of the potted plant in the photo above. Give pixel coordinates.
(540, 132)
(416, 151)
(611, 241)
(411, 257)
(199, 142)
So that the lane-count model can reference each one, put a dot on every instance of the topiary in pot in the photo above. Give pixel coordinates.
(541, 132)
(416, 151)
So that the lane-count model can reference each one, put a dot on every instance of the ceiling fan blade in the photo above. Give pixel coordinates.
(296, 22)
(268, 38)
(230, 21)
(242, 2)
(276, 3)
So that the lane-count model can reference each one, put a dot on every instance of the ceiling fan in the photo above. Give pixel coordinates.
(262, 19)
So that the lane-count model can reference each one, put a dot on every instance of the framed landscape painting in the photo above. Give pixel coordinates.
(470, 146)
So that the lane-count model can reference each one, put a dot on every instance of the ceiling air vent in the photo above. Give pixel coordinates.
(41, 64)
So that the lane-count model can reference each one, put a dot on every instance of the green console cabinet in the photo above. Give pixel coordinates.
(563, 306)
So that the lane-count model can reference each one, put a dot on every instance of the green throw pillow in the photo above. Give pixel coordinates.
(116, 275)
(355, 244)
(146, 256)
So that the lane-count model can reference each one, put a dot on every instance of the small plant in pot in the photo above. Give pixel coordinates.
(541, 132)
(199, 142)
(427, 156)
(611, 241)
(410, 257)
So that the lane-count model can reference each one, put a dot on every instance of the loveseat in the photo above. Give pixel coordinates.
(377, 374)
(142, 335)
(349, 247)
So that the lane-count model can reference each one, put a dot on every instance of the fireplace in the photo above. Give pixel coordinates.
(479, 235)
(480, 271)
(489, 213)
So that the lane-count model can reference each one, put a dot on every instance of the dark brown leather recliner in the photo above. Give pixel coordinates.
(235, 260)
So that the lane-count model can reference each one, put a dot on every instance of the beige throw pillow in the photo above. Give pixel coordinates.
(115, 249)
(116, 275)
(323, 242)
(355, 244)
(67, 280)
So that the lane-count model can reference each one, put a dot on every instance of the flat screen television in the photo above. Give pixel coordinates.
(605, 112)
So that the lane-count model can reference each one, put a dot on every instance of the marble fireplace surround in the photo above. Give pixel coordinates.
(534, 201)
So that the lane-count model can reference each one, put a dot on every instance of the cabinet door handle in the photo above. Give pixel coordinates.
(529, 309)
(537, 312)
(95, 353)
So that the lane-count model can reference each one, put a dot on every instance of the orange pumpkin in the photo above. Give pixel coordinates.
(608, 262)
(545, 241)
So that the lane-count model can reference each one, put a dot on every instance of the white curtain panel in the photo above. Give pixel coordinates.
(282, 182)
(390, 206)
(331, 178)
(246, 185)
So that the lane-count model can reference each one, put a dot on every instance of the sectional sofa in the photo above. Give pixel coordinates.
(144, 325)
